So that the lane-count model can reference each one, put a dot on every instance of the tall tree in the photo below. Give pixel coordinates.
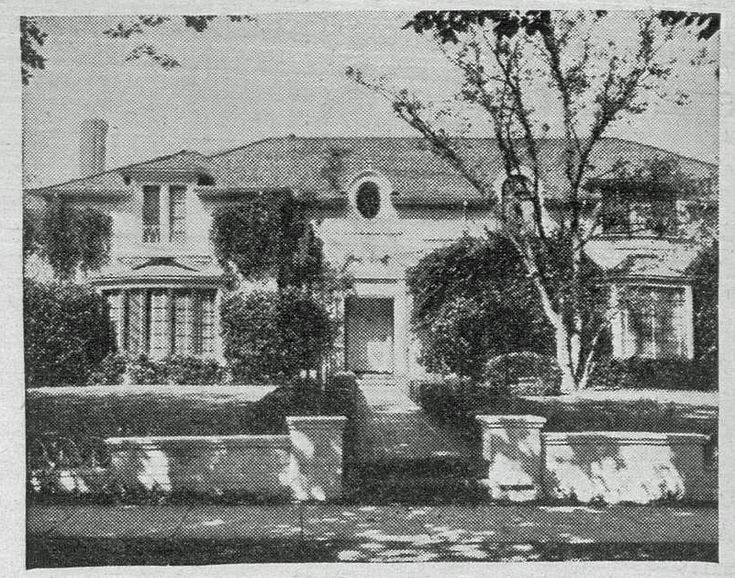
(598, 75)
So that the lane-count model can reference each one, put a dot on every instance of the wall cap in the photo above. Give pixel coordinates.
(505, 421)
(316, 421)
(623, 437)
(160, 442)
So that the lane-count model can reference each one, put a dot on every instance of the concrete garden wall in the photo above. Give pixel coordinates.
(525, 463)
(306, 463)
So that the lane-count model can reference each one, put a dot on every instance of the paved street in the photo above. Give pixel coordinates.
(385, 533)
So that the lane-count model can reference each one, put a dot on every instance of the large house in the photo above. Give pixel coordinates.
(379, 205)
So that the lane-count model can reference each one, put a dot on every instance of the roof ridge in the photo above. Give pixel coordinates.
(658, 148)
(108, 171)
(248, 145)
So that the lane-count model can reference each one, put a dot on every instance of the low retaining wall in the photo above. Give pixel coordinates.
(525, 463)
(306, 463)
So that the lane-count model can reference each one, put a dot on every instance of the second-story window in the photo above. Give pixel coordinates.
(164, 213)
(638, 216)
(177, 213)
(151, 214)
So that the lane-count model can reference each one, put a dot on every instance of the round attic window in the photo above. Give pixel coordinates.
(367, 200)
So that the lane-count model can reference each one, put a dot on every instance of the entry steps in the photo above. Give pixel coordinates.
(404, 455)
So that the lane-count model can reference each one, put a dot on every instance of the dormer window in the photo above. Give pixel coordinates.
(164, 215)
(367, 200)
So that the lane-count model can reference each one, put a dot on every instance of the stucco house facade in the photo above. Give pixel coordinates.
(379, 205)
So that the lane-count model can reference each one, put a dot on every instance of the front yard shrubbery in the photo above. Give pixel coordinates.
(67, 333)
(456, 403)
(271, 336)
(522, 373)
(636, 373)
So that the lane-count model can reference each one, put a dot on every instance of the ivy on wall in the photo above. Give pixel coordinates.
(67, 237)
(271, 335)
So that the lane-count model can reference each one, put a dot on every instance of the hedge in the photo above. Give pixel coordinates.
(67, 333)
(273, 335)
(636, 373)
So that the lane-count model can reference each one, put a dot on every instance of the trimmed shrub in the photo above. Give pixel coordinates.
(474, 300)
(194, 371)
(639, 373)
(272, 336)
(145, 371)
(111, 371)
(67, 333)
(174, 370)
(522, 373)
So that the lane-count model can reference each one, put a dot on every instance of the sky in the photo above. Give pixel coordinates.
(284, 74)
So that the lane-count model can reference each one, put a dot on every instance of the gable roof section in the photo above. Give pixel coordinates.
(320, 168)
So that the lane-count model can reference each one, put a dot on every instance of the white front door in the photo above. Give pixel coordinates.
(369, 334)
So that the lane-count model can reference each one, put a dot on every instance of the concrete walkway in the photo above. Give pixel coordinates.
(391, 426)
(373, 526)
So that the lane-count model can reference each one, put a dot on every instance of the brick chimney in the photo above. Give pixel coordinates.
(93, 134)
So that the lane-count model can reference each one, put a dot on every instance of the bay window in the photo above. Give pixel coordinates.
(654, 322)
(161, 321)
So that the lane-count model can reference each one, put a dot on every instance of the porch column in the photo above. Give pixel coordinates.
(400, 329)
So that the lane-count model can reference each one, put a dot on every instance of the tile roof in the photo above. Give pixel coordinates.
(321, 168)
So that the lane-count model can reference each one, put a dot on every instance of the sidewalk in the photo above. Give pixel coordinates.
(87, 535)
(412, 526)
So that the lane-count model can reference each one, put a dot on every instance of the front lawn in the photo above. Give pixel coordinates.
(457, 406)
(71, 426)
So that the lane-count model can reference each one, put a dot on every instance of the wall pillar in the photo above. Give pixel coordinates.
(316, 445)
(511, 444)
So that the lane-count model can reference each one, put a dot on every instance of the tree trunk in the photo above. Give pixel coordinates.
(564, 359)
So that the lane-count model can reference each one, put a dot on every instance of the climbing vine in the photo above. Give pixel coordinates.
(67, 237)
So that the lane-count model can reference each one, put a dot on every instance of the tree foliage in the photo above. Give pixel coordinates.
(268, 236)
(67, 237)
(705, 286)
(449, 24)
(273, 335)
(473, 301)
(32, 38)
(67, 333)
(598, 78)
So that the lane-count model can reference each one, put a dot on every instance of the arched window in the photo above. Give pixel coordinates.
(367, 199)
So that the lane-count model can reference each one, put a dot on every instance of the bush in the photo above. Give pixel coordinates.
(67, 333)
(473, 301)
(145, 371)
(274, 335)
(523, 373)
(110, 372)
(194, 371)
(639, 373)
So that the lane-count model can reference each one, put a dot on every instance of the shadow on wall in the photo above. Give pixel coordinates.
(525, 463)
(306, 464)
(636, 467)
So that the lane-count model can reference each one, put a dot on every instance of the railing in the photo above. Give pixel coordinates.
(151, 233)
